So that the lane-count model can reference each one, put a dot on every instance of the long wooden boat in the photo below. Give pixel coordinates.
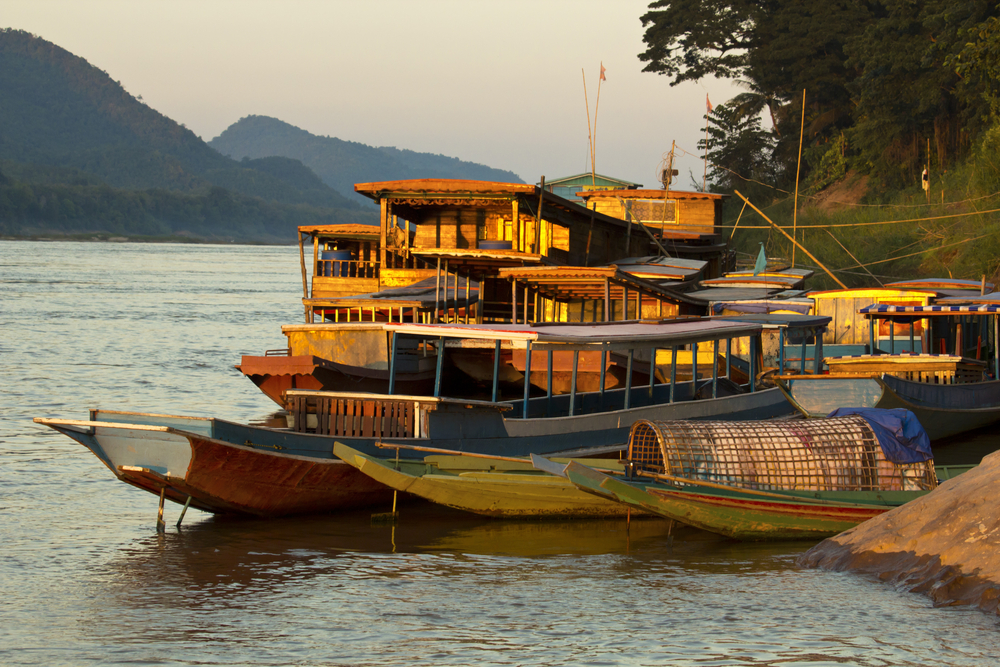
(220, 466)
(271, 461)
(489, 486)
(762, 481)
(944, 410)
(742, 515)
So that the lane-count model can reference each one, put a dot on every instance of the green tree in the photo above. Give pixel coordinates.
(739, 149)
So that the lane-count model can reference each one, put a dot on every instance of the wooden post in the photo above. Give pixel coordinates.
(385, 211)
(608, 315)
(515, 236)
(305, 280)
(590, 234)
(513, 302)
(439, 367)
(496, 370)
(437, 292)
(628, 379)
(538, 220)
(160, 525)
(798, 167)
(527, 378)
(572, 388)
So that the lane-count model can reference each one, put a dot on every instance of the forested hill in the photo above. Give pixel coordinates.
(78, 154)
(340, 163)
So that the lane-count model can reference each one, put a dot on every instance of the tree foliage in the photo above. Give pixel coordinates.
(886, 75)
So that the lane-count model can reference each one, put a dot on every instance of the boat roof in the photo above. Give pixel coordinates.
(872, 292)
(648, 194)
(601, 335)
(344, 231)
(941, 284)
(801, 274)
(957, 298)
(660, 260)
(714, 294)
(580, 282)
(780, 320)
(877, 309)
(481, 258)
(777, 280)
(795, 305)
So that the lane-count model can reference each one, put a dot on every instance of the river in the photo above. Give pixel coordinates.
(85, 579)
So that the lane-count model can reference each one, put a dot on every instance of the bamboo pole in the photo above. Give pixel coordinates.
(590, 134)
(809, 254)
(798, 168)
(593, 143)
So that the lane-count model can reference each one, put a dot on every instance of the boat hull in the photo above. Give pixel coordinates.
(944, 410)
(226, 478)
(489, 493)
(734, 513)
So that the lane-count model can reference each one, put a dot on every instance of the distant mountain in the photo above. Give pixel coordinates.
(67, 125)
(340, 163)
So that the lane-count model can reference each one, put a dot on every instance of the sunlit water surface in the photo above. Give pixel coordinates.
(85, 579)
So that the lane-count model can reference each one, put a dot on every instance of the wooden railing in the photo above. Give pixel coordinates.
(386, 417)
(346, 268)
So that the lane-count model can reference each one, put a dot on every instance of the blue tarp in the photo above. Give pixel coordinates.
(901, 436)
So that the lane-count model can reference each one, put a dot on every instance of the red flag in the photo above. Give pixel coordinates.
(603, 78)
(708, 103)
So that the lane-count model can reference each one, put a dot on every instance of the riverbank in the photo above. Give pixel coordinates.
(945, 545)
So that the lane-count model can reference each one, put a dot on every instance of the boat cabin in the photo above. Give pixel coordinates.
(685, 224)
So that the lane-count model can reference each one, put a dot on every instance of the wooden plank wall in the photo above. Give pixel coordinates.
(451, 228)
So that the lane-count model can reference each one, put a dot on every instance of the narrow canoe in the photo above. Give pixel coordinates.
(509, 489)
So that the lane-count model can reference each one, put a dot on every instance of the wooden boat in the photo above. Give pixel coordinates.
(804, 480)
(493, 486)
(943, 410)
(949, 393)
(220, 466)
(273, 470)
(742, 515)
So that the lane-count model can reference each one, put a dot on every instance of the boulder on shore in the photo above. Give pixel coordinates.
(945, 544)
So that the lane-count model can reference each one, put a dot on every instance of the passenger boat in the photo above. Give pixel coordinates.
(227, 467)
(765, 481)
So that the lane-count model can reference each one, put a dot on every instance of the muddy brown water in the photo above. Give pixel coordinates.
(85, 579)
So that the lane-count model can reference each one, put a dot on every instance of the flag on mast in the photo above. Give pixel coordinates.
(603, 78)
(708, 103)
(761, 262)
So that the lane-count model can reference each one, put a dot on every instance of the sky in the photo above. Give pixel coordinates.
(497, 82)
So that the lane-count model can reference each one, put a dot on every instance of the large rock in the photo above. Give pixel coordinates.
(945, 544)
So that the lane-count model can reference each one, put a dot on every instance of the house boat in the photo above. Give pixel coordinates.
(437, 257)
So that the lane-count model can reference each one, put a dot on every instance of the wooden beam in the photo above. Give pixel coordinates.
(514, 223)
(385, 214)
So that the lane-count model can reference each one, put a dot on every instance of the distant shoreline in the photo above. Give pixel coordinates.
(124, 238)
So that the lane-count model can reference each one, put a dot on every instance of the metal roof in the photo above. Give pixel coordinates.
(606, 336)
(780, 320)
(940, 283)
(579, 282)
(930, 311)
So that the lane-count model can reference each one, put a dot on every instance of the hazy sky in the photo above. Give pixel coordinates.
(497, 82)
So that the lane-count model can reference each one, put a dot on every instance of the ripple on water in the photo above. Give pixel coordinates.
(85, 579)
